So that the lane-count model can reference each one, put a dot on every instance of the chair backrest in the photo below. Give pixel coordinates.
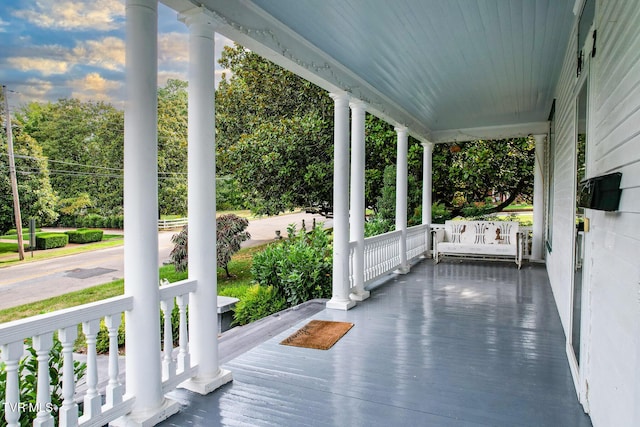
(481, 232)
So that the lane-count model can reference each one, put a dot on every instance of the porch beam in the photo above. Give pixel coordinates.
(538, 199)
(490, 132)
(143, 374)
(401, 195)
(427, 188)
(340, 287)
(357, 211)
(203, 319)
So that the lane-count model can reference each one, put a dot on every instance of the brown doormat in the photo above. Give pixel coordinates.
(318, 334)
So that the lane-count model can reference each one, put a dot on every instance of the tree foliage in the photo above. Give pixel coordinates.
(274, 135)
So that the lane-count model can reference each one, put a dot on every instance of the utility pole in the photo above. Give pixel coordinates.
(12, 175)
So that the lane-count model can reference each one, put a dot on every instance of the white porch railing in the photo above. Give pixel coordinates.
(381, 255)
(176, 365)
(417, 240)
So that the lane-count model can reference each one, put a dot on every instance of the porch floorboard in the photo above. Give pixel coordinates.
(453, 344)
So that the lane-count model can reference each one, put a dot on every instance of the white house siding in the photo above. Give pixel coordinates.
(610, 363)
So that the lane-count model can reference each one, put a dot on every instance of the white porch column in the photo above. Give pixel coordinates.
(203, 318)
(401, 196)
(538, 199)
(340, 295)
(143, 374)
(357, 212)
(427, 187)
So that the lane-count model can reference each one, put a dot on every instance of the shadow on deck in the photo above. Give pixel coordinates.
(446, 345)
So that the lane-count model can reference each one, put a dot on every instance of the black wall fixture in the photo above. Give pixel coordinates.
(601, 193)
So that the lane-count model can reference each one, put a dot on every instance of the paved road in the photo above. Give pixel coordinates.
(34, 281)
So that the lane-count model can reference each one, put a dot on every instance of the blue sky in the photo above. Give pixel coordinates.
(51, 49)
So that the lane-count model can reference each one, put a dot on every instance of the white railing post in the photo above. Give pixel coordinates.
(114, 388)
(401, 196)
(11, 354)
(68, 413)
(168, 365)
(184, 362)
(92, 400)
(42, 345)
(340, 289)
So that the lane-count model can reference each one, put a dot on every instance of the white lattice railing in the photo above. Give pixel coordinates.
(100, 404)
(527, 235)
(417, 240)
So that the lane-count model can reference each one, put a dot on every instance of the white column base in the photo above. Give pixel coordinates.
(148, 418)
(208, 384)
(426, 255)
(345, 305)
(402, 270)
(360, 295)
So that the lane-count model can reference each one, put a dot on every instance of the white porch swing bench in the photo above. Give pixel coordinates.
(479, 240)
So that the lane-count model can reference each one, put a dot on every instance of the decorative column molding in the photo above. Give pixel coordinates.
(143, 375)
(340, 294)
(427, 188)
(357, 211)
(538, 199)
(401, 196)
(203, 318)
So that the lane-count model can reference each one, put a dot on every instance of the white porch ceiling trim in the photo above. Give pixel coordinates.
(258, 31)
(491, 132)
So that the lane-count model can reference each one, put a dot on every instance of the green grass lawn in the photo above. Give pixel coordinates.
(523, 207)
(8, 248)
(236, 286)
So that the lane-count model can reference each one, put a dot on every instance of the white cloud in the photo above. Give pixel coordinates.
(33, 90)
(173, 50)
(100, 15)
(3, 24)
(93, 87)
(45, 66)
(108, 53)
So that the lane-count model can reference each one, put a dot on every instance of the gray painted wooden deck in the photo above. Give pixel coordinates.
(456, 344)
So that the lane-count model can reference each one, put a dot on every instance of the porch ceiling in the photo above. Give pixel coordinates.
(442, 68)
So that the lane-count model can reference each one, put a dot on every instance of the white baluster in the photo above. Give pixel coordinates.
(114, 388)
(42, 345)
(184, 360)
(69, 412)
(92, 401)
(11, 354)
(168, 365)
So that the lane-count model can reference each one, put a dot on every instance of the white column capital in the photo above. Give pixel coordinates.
(340, 98)
(356, 105)
(427, 145)
(401, 129)
(199, 19)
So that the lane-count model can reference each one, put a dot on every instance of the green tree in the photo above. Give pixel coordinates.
(37, 198)
(83, 142)
(270, 117)
(172, 148)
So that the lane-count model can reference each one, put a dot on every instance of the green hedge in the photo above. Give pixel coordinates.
(51, 240)
(84, 235)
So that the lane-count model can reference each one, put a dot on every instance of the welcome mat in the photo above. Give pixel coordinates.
(318, 334)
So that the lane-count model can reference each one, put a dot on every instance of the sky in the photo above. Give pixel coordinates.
(52, 49)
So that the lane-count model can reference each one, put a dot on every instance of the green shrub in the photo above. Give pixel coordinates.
(299, 268)
(51, 240)
(27, 370)
(84, 235)
(377, 225)
(258, 302)
(102, 339)
(439, 213)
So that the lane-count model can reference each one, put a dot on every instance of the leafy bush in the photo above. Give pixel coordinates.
(51, 240)
(27, 371)
(299, 268)
(84, 235)
(102, 339)
(258, 302)
(377, 225)
(230, 233)
(439, 213)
